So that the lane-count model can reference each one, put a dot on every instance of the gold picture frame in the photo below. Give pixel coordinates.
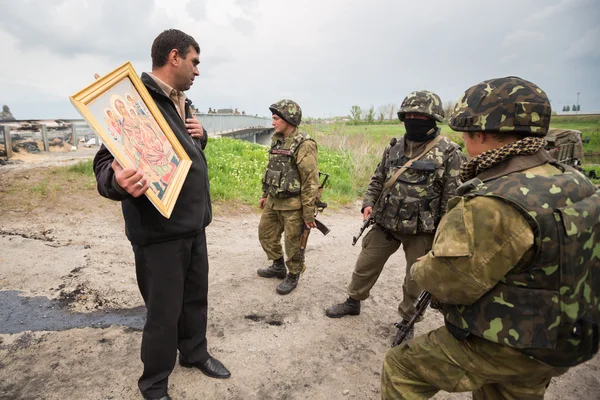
(120, 110)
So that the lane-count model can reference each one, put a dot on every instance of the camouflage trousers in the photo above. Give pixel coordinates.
(275, 223)
(377, 247)
(436, 361)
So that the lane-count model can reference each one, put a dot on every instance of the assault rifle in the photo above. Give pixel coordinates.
(368, 222)
(320, 226)
(404, 327)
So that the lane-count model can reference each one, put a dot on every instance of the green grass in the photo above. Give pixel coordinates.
(81, 168)
(79, 175)
(596, 169)
(348, 153)
(236, 169)
(41, 189)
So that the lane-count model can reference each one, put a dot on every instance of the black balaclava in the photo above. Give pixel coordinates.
(420, 130)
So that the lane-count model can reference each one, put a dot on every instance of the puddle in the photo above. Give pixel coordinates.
(19, 314)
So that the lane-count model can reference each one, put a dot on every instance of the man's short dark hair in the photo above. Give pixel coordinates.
(169, 40)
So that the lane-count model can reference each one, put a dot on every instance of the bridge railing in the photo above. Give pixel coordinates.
(216, 124)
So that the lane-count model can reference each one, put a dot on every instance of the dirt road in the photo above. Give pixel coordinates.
(71, 312)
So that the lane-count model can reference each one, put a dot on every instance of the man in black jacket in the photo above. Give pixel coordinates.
(170, 254)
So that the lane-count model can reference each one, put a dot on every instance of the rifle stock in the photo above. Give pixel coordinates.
(303, 241)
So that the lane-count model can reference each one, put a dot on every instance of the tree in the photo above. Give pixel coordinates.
(5, 114)
(355, 113)
(568, 109)
(370, 115)
(449, 109)
(578, 107)
(383, 112)
(392, 111)
(574, 107)
(564, 108)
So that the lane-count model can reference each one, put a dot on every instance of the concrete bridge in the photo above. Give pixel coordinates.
(237, 126)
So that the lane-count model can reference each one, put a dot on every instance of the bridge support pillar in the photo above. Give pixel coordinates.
(7, 140)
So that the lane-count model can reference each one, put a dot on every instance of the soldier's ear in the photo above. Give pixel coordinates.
(480, 137)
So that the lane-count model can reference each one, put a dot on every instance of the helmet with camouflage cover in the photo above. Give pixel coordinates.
(424, 102)
(508, 104)
(288, 110)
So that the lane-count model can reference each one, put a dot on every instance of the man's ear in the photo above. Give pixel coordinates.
(174, 57)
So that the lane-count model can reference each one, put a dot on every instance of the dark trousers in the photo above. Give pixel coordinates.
(173, 280)
(377, 247)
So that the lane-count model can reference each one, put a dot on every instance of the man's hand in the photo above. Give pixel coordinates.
(310, 225)
(132, 180)
(367, 213)
(261, 202)
(194, 128)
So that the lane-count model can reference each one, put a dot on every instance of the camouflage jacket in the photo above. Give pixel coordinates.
(417, 200)
(291, 180)
(498, 251)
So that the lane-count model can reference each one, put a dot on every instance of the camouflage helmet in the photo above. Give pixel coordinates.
(288, 110)
(423, 102)
(509, 104)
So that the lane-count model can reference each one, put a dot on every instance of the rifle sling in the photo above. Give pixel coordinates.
(401, 170)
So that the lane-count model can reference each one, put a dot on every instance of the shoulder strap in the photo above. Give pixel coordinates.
(409, 163)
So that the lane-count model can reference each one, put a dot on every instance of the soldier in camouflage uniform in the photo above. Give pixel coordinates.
(290, 189)
(408, 211)
(514, 264)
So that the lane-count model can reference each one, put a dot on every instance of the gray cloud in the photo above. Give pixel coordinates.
(247, 6)
(243, 25)
(112, 28)
(197, 9)
(327, 55)
(586, 46)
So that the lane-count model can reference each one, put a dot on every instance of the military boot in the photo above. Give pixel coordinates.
(349, 307)
(275, 270)
(289, 283)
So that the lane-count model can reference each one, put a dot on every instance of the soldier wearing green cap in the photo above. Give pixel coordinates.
(290, 189)
(407, 210)
(514, 264)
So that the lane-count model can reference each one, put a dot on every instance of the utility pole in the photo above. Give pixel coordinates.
(577, 110)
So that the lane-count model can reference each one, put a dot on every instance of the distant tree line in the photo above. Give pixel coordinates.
(576, 107)
(385, 114)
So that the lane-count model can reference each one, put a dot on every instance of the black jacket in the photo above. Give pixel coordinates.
(192, 211)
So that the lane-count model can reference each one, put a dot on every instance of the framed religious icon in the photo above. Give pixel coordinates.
(120, 110)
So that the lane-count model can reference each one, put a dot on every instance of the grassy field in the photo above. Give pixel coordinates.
(348, 153)
(365, 143)
(589, 125)
(236, 169)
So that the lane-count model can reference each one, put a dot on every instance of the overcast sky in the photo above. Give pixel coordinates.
(325, 54)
